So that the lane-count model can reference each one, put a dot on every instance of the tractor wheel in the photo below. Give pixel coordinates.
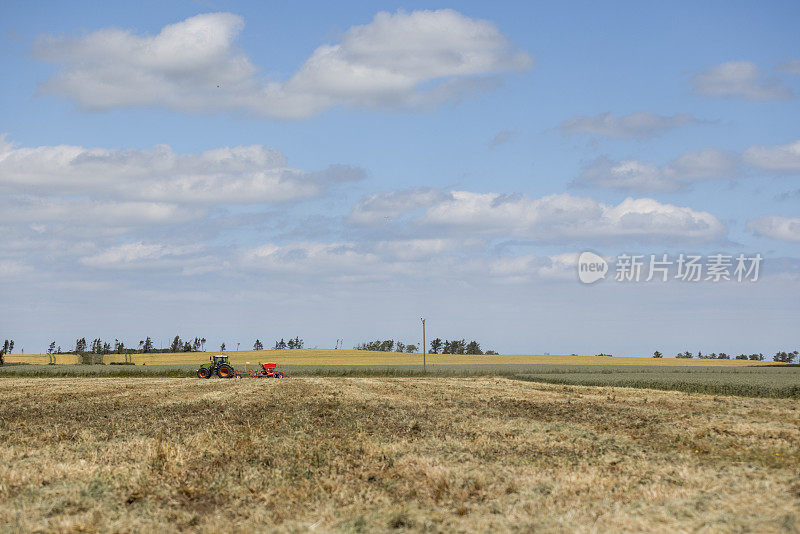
(204, 372)
(225, 371)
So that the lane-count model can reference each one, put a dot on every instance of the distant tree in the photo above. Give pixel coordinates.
(411, 348)
(784, 357)
(50, 351)
(741, 357)
(203, 344)
(473, 347)
(280, 345)
(222, 347)
(196, 344)
(756, 357)
(176, 345)
(657, 354)
(491, 353)
(8, 346)
(436, 346)
(298, 343)
(685, 355)
(258, 345)
(148, 345)
(400, 346)
(80, 345)
(290, 343)
(187, 347)
(723, 356)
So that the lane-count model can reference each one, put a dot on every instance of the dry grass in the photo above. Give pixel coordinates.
(358, 357)
(372, 454)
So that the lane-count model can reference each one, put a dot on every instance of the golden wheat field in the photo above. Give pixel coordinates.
(359, 357)
(378, 454)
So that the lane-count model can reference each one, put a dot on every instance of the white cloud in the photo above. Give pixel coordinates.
(705, 164)
(9, 268)
(504, 136)
(635, 175)
(780, 228)
(382, 207)
(567, 217)
(137, 255)
(396, 61)
(416, 249)
(638, 124)
(85, 212)
(233, 175)
(626, 174)
(741, 80)
(779, 158)
(311, 258)
(561, 267)
(793, 66)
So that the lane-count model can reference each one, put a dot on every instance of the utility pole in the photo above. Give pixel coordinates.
(424, 347)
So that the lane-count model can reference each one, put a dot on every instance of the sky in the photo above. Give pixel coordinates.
(243, 170)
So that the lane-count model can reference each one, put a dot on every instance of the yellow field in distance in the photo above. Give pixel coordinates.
(361, 357)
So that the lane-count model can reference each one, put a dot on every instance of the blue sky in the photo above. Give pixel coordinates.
(397, 161)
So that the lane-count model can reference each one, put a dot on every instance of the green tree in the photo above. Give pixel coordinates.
(258, 345)
(657, 354)
(784, 357)
(147, 345)
(176, 344)
(411, 349)
(222, 347)
(473, 347)
(436, 346)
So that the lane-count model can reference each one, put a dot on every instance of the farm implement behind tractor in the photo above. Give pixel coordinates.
(220, 366)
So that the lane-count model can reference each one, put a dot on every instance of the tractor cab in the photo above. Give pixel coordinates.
(218, 359)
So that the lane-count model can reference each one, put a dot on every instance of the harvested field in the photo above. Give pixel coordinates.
(372, 454)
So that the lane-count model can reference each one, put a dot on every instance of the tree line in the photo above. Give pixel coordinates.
(437, 347)
(387, 345)
(780, 356)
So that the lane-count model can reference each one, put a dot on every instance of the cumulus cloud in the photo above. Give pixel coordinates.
(780, 158)
(780, 228)
(638, 125)
(380, 207)
(398, 60)
(634, 175)
(741, 80)
(232, 175)
(567, 217)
